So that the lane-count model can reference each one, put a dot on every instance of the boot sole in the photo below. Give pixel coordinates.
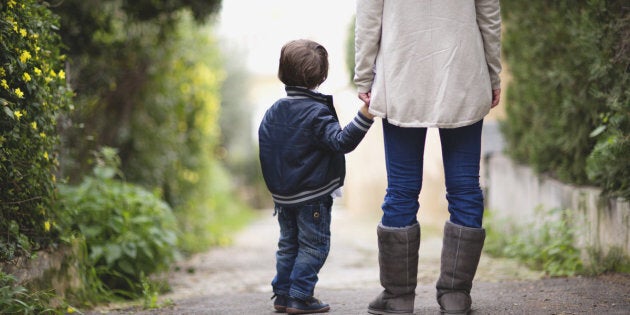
(290, 310)
(386, 312)
(458, 312)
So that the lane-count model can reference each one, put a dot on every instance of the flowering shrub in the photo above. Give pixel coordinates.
(32, 93)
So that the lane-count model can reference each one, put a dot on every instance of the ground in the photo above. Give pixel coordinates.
(236, 279)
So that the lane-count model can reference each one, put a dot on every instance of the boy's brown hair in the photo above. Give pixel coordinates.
(303, 63)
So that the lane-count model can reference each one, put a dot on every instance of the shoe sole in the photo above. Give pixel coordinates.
(280, 309)
(290, 310)
(386, 312)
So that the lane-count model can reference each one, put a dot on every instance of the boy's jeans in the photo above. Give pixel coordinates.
(404, 151)
(303, 247)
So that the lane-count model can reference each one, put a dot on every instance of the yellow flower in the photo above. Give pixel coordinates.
(4, 84)
(62, 74)
(42, 134)
(2, 72)
(26, 77)
(52, 74)
(47, 226)
(11, 3)
(17, 114)
(70, 309)
(46, 155)
(37, 71)
(23, 32)
(34, 125)
(25, 56)
(19, 93)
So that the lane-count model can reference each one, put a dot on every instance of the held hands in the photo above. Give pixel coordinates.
(364, 111)
(365, 97)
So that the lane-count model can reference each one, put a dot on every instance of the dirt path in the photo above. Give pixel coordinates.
(236, 279)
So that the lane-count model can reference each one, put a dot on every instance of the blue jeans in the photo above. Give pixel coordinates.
(461, 152)
(303, 247)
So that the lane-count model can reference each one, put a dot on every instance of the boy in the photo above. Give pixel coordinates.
(302, 149)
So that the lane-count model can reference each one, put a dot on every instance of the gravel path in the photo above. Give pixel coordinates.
(236, 279)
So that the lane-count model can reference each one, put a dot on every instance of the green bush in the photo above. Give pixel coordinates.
(176, 137)
(32, 94)
(129, 231)
(548, 246)
(568, 106)
(172, 139)
(16, 299)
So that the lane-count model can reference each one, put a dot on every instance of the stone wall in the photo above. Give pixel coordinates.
(516, 193)
(56, 269)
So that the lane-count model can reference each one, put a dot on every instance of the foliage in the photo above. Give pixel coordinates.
(112, 55)
(174, 135)
(32, 94)
(16, 299)
(569, 103)
(236, 150)
(613, 261)
(213, 214)
(150, 292)
(158, 107)
(177, 136)
(129, 231)
(548, 246)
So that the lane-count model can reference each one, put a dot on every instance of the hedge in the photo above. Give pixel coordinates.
(568, 105)
(32, 94)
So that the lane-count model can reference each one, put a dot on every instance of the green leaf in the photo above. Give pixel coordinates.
(597, 131)
(7, 110)
(112, 253)
(126, 267)
(96, 252)
(130, 250)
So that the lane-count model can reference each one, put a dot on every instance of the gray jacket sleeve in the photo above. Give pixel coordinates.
(489, 21)
(366, 42)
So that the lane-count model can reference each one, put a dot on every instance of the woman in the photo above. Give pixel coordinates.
(422, 64)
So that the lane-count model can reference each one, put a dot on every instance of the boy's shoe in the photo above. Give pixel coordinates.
(280, 303)
(312, 305)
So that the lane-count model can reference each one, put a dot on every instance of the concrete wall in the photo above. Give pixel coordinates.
(57, 270)
(515, 192)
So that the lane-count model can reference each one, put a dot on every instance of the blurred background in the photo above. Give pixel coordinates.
(128, 129)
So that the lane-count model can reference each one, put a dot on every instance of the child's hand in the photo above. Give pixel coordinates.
(364, 111)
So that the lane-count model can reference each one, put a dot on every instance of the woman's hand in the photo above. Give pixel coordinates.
(496, 97)
(365, 97)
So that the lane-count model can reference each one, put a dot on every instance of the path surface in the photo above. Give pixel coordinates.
(235, 279)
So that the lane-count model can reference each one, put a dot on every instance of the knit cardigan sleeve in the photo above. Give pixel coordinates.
(489, 21)
(366, 41)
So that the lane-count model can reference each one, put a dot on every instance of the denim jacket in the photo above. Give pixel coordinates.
(302, 146)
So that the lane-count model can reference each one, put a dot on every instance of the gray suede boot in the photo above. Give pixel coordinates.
(461, 251)
(398, 262)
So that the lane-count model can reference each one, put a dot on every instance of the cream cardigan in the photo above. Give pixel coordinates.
(428, 63)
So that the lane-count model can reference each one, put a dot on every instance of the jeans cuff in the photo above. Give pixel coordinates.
(299, 295)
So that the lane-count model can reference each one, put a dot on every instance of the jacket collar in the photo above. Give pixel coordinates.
(304, 92)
